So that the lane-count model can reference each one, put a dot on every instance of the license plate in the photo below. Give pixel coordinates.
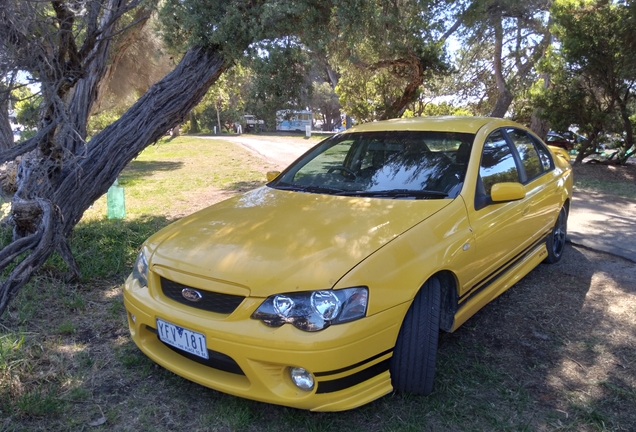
(182, 338)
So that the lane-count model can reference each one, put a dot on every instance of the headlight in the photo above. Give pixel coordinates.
(314, 310)
(140, 269)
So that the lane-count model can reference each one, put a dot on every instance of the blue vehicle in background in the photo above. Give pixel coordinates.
(291, 120)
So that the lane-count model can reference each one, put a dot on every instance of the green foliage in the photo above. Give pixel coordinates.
(524, 28)
(228, 95)
(593, 72)
(324, 103)
(281, 79)
(26, 134)
(26, 106)
(439, 109)
(98, 122)
(232, 26)
(392, 48)
(365, 94)
(383, 65)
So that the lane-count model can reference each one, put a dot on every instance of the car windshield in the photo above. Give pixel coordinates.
(392, 164)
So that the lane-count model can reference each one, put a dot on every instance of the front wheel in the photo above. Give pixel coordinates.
(415, 353)
(556, 240)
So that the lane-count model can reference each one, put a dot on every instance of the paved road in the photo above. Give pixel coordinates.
(281, 152)
(597, 221)
(603, 223)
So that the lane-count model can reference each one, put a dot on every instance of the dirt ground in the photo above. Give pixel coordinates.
(596, 171)
(567, 334)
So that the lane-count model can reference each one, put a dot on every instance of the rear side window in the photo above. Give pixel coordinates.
(544, 155)
(497, 162)
(534, 158)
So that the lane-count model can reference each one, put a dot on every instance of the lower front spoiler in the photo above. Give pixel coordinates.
(262, 373)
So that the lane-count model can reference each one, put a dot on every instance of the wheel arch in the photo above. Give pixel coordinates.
(449, 299)
(566, 204)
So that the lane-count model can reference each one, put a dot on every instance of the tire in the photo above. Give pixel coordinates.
(415, 354)
(556, 240)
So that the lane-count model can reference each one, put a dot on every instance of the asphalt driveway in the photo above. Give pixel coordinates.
(604, 223)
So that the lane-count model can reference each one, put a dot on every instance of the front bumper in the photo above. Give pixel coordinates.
(350, 361)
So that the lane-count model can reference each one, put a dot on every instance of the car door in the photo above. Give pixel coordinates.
(542, 199)
(497, 234)
(505, 231)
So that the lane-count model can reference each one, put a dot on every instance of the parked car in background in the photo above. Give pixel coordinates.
(252, 124)
(557, 140)
(327, 288)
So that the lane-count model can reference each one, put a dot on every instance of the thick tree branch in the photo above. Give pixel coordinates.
(505, 97)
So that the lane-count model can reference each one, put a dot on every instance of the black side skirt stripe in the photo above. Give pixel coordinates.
(351, 380)
(492, 277)
(344, 369)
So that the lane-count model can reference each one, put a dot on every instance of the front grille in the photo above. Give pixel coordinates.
(215, 360)
(210, 301)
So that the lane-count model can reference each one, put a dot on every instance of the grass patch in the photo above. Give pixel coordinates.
(39, 403)
(165, 178)
(612, 187)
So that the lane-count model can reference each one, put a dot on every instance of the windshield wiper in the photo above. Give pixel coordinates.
(397, 193)
(310, 189)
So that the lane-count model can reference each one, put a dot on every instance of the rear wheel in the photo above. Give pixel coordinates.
(415, 353)
(556, 241)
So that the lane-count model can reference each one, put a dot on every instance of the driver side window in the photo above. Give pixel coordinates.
(497, 162)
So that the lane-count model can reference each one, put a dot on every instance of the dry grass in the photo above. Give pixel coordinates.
(556, 352)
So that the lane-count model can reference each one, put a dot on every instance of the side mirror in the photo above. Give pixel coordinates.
(509, 191)
(271, 175)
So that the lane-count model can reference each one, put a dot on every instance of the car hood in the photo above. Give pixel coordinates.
(270, 241)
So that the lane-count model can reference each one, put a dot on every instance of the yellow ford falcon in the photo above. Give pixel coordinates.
(327, 288)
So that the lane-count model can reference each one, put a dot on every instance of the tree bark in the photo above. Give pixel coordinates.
(629, 131)
(505, 97)
(218, 115)
(539, 125)
(51, 198)
(411, 91)
(6, 134)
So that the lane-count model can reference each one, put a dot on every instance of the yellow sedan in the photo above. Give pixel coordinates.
(328, 287)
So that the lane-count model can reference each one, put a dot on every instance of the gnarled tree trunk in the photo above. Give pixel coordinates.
(55, 190)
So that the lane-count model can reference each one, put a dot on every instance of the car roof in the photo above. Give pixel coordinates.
(440, 124)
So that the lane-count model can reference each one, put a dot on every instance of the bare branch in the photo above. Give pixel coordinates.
(28, 145)
(451, 30)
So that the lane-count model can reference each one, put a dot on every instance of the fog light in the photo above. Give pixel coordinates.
(133, 318)
(302, 378)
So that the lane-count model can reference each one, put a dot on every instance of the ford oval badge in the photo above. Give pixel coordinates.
(191, 294)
